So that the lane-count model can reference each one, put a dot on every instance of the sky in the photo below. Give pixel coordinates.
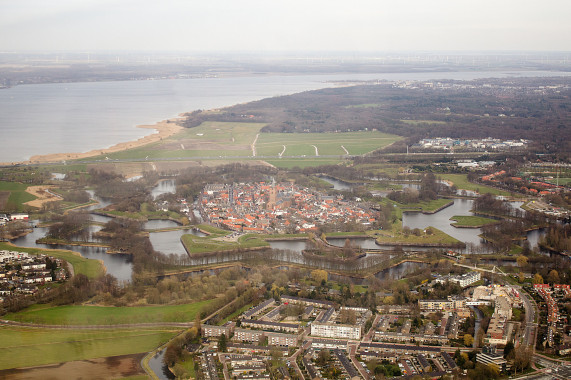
(282, 26)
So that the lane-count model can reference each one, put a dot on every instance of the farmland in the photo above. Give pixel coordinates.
(13, 195)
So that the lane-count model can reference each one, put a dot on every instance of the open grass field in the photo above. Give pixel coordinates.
(399, 237)
(208, 140)
(89, 267)
(27, 347)
(327, 144)
(100, 315)
(229, 140)
(196, 244)
(14, 194)
(471, 221)
(425, 206)
(461, 182)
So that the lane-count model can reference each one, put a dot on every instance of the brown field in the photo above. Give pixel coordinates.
(42, 196)
(114, 367)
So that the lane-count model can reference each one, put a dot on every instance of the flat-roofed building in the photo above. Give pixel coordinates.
(244, 335)
(330, 330)
(277, 339)
(266, 325)
(307, 301)
(216, 331)
(492, 359)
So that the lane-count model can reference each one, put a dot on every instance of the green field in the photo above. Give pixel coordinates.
(90, 268)
(208, 140)
(27, 347)
(196, 244)
(461, 182)
(398, 237)
(17, 195)
(99, 315)
(471, 221)
(425, 206)
(327, 144)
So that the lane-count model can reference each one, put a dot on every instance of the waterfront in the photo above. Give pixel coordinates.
(80, 117)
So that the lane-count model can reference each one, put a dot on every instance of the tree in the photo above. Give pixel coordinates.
(553, 277)
(521, 261)
(323, 357)
(222, 343)
(319, 275)
(509, 351)
(468, 340)
(537, 279)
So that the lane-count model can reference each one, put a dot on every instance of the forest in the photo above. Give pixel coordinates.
(523, 108)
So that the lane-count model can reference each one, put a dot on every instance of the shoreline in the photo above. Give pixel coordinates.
(163, 129)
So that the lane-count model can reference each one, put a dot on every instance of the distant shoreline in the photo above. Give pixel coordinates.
(164, 129)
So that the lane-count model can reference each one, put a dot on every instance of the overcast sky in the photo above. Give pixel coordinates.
(292, 25)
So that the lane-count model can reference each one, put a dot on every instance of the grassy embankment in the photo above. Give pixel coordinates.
(28, 347)
(77, 315)
(89, 267)
(216, 241)
(471, 221)
(14, 195)
(396, 235)
(425, 206)
(461, 182)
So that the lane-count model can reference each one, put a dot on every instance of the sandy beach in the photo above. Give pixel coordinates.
(163, 129)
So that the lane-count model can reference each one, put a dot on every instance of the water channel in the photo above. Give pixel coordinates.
(168, 242)
(160, 370)
(118, 266)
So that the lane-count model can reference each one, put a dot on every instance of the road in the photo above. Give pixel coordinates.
(530, 332)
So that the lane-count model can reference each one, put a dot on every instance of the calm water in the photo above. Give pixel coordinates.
(156, 224)
(399, 271)
(156, 364)
(169, 241)
(441, 220)
(79, 117)
(289, 245)
(118, 266)
(337, 184)
(165, 186)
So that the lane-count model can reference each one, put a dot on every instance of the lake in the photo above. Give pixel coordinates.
(78, 117)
